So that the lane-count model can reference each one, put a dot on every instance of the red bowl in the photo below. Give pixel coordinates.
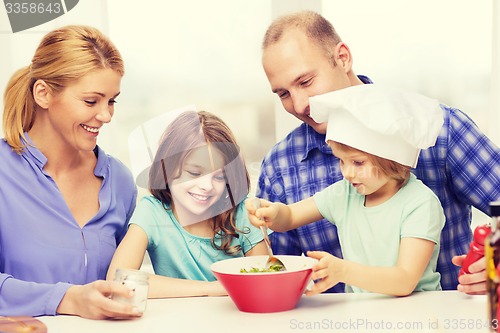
(264, 292)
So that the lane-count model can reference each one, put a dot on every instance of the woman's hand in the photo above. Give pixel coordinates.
(93, 301)
(475, 282)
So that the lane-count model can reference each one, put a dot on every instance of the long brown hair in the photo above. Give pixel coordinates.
(187, 132)
(63, 56)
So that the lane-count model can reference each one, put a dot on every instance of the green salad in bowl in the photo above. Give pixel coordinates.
(273, 268)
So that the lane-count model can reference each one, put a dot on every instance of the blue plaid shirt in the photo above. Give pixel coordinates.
(463, 169)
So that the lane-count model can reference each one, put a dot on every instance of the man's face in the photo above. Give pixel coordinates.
(298, 69)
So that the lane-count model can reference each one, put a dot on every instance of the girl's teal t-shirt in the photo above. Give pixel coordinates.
(176, 253)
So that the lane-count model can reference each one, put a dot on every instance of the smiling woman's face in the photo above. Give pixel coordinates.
(200, 184)
(76, 114)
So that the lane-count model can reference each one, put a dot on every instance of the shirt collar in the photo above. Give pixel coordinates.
(365, 79)
(102, 165)
(314, 140)
(33, 153)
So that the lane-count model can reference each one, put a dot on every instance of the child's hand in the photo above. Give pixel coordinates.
(262, 215)
(323, 274)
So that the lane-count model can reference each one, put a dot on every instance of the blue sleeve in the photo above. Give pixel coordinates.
(150, 216)
(132, 205)
(22, 298)
(473, 162)
(128, 193)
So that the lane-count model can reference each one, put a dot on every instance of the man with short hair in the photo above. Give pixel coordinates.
(302, 57)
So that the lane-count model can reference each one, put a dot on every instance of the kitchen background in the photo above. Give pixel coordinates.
(208, 53)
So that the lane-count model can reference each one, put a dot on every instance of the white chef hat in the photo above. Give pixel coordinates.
(385, 122)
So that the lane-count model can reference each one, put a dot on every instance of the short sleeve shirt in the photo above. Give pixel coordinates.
(371, 235)
(174, 252)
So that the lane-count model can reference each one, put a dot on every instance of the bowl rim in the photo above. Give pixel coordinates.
(215, 264)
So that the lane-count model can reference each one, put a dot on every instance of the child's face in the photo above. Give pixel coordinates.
(357, 168)
(201, 182)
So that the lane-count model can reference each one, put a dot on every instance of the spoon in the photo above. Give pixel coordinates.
(272, 261)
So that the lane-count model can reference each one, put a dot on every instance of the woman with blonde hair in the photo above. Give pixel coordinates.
(64, 203)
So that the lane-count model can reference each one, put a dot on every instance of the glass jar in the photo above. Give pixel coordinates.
(138, 282)
(492, 256)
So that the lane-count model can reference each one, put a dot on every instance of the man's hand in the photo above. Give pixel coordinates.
(475, 282)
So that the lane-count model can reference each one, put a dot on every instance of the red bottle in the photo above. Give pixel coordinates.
(476, 250)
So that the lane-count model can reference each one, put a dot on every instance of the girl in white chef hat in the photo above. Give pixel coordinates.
(389, 223)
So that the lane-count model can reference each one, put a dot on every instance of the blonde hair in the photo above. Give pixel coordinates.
(391, 169)
(318, 29)
(63, 56)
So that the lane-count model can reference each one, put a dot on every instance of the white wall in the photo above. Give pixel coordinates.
(208, 53)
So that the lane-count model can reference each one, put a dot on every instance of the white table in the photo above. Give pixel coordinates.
(447, 311)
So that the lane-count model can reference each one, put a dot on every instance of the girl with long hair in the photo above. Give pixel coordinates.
(195, 214)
